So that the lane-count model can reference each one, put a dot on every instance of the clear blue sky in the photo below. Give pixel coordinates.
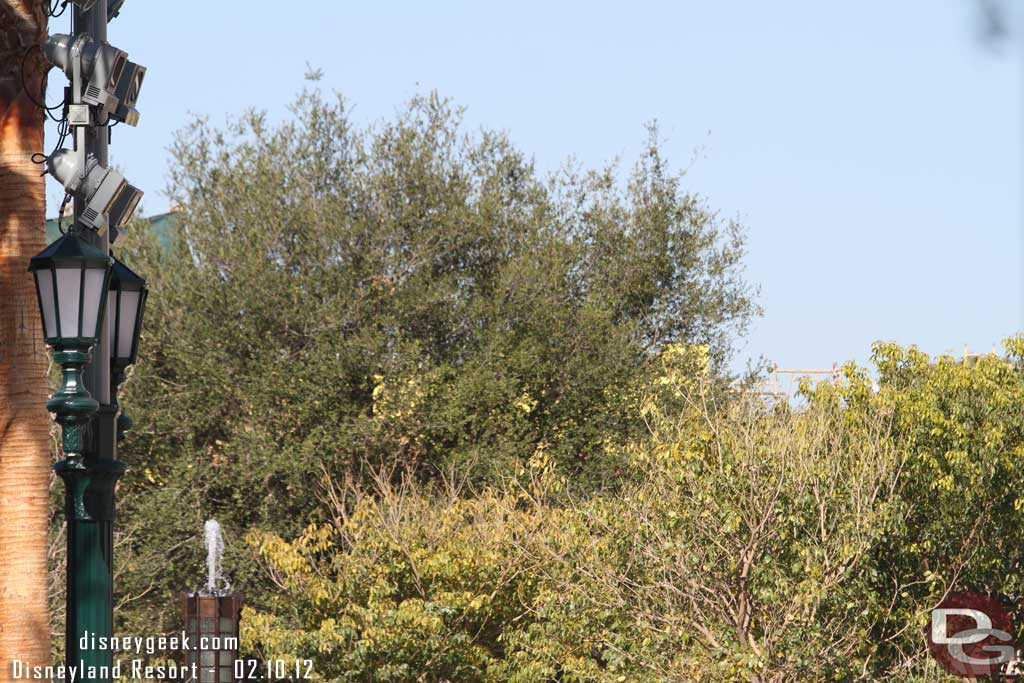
(872, 150)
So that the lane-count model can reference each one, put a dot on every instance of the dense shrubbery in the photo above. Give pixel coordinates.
(740, 551)
(464, 424)
(754, 544)
(407, 297)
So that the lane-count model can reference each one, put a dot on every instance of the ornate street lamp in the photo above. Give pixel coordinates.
(71, 277)
(103, 85)
(126, 302)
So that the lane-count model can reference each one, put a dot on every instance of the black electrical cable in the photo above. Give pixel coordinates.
(63, 130)
(63, 8)
(60, 214)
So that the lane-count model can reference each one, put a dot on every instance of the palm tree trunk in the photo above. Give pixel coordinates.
(24, 423)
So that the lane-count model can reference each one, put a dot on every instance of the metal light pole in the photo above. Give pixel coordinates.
(98, 305)
(89, 490)
(72, 282)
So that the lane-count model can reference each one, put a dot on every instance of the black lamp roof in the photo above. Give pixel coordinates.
(124, 278)
(69, 250)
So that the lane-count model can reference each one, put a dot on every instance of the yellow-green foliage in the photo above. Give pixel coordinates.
(752, 543)
(400, 583)
(744, 549)
(958, 427)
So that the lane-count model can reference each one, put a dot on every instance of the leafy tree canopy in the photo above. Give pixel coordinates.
(408, 296)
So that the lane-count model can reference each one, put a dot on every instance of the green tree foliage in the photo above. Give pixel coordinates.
(742, 552)
(958, 522)
(752, 544)
(407, 296)
(463, 423)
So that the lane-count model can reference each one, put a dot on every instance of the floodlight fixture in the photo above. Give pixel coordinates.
(109, 199)
(106, 72)
(127, 94)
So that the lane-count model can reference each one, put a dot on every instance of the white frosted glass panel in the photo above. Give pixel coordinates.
(93, 292)
(44, 280)
(129, 310)
(112, 317)
(68, 284)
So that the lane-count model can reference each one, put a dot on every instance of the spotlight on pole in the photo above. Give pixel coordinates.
(109, 199)
(127, 94)
(107, 73)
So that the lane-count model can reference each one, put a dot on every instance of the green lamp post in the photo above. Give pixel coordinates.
(73, 281)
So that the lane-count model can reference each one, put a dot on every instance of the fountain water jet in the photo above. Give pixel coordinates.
(212, 617)
(214, 554)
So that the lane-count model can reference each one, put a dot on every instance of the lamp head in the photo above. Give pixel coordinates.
(71, 279)
(126, 303)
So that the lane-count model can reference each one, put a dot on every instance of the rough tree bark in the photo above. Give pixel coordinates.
(24, 423)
